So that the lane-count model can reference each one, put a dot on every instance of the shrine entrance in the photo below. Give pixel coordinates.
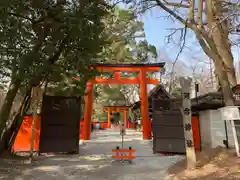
(117, 109)
(142, 79)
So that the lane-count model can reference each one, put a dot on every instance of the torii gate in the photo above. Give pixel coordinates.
(142, 80)
(110, 109)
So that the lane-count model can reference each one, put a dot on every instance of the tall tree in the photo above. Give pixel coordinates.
(209, 20)
(126, 44)
(37, 37)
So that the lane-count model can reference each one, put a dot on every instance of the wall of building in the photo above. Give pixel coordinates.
(218, 130)
(205, 128)
(212, 129)
(230, 134)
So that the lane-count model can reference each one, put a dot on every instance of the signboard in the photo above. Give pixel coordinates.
(187, 121)
(229, 113)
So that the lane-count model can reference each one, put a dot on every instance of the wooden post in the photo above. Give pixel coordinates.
(117, 75)
(147, 135)
(125, 119)
(36, 95)
(109, 119)
(187, 122)
(122, 132)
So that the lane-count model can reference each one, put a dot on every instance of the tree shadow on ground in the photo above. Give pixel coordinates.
(92, 163)
(61, 167)
(55, 167)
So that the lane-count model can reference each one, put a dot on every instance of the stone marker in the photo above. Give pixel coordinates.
(187, 121)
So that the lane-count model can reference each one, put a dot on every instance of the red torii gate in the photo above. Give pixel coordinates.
(142, 80)
(123, 109)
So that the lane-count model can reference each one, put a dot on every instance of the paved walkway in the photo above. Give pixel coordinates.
(94, 162)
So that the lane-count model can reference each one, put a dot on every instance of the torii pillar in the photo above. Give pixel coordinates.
(109, 119)
(143, 80)
(123, 109)
(146, 124)
(125, 118)
(88, 111)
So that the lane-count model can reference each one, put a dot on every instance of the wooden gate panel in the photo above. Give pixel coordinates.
(167, 119)
(59, 145)
(167, 132)
(68, 131)
(60, 122)
(166, 105)
(167, 126)
(170, 145)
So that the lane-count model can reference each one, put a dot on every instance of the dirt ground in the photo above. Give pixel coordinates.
(213, 164)
(93, 162)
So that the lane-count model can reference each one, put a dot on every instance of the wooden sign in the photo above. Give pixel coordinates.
(124, 154)
(187, 121)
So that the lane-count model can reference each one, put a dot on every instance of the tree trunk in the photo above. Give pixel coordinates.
(219, 31)
(6, 109)
(14, 127)
(225, 52)
(224, 82)
(220, 69)
(217, 85)
(226, 79)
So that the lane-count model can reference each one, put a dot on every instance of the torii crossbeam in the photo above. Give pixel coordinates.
(110, 109)
(142, 80)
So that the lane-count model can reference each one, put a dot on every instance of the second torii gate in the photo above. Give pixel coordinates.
(142, 80)
(110, 109)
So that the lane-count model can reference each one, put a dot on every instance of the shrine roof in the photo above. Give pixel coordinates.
(161, 65)
(117, 107)
(157, 89)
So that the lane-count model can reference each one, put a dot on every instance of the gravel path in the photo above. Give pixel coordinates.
(93, 162)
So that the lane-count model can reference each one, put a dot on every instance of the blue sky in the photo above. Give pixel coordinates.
(157, 28)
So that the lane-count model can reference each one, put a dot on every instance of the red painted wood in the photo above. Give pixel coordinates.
(196, 133)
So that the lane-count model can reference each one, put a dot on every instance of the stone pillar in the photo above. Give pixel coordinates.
(187, 121)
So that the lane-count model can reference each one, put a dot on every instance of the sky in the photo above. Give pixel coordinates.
(157, 28)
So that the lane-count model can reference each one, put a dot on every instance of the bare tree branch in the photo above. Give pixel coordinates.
(175, 15)
(200, 13)
(176, 4)
(183, 40)
(191, 11)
